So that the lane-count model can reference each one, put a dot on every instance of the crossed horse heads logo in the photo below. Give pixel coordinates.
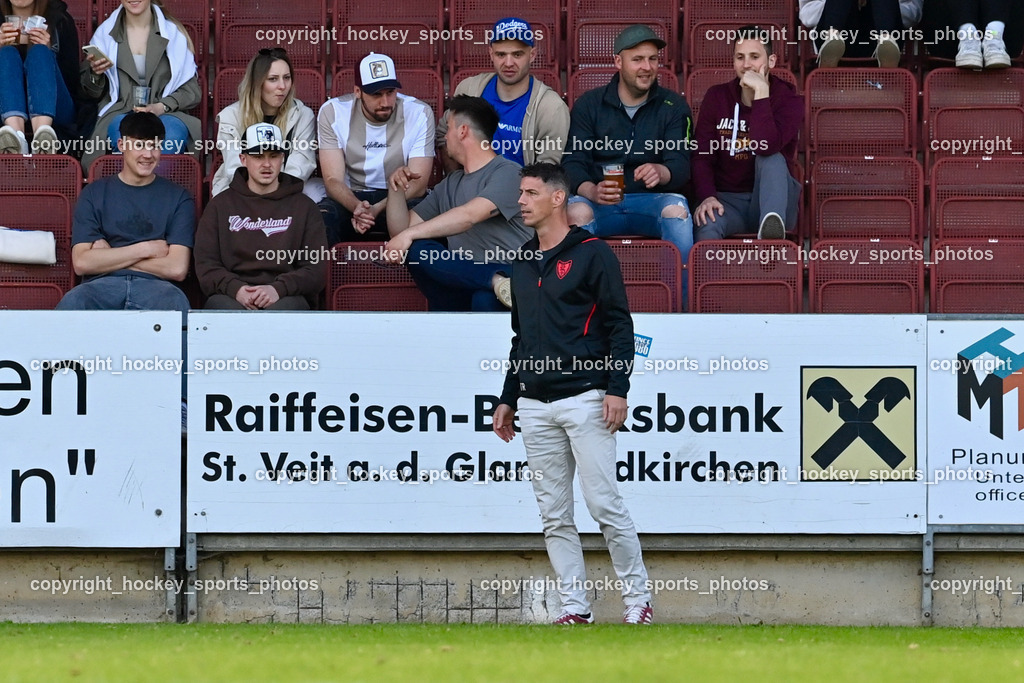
(858, 421)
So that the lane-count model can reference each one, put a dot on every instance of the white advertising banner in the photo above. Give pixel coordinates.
(90, 443)
(372, 423)
(976, 422)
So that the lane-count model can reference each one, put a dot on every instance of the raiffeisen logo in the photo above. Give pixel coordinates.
(988, 371)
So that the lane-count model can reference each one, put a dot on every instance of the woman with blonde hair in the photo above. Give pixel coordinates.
(267, 95)
(142, 46)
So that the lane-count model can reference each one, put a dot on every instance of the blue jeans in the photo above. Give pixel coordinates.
(130, 293)
(775, 191)
(124, 293)
(452, 282)
(34, 87)
(175, 134)
(639, 213)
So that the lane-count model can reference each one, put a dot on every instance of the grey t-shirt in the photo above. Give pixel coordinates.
(498, 182)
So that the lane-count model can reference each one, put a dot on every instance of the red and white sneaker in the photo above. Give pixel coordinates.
(639, 614)
(570, 619)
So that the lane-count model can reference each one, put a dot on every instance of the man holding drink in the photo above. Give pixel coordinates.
(628, 153)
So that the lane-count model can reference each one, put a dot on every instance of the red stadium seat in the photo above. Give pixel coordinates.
(985, 131)
(885, 276)
(652, 272)
(29, 296)
(241, 27)
(358, 281)
(179, 168)
(976, 197)
(763, 13)
(41, 173)
(745, 276)
(358, 25)
(700, 80)
(978, 276)
(861, 112)
(477, 17)
(82, 12)
(857, 197)
(37, 286)
(962, 88)
(598, 76)
(423, 84)
(593, 24)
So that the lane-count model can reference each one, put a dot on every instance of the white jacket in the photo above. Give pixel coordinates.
(810, 12)
(301, 159)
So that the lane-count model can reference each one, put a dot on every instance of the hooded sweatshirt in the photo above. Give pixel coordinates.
(724, 160)
(240, 227)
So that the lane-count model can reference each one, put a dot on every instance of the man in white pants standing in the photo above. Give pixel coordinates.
(572, 353)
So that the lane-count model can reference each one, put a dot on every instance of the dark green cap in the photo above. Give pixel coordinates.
(632, 36)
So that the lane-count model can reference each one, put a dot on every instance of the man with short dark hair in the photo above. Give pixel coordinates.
(746, 136)
(261, 243)
(457, 241)
(132, 232)
(363, 138)
(571, 357)
(533, 120)
(644, 130)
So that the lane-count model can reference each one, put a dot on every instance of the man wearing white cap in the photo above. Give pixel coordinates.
(364, 137)
(533, 121)
(260, 243)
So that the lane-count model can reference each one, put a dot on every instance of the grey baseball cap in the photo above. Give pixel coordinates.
(631, 36)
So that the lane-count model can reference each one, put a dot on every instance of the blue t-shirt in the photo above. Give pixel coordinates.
(508, 140)
(124, 214)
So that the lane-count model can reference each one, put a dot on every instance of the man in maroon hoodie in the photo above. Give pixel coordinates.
(745, 136)
(261, 244)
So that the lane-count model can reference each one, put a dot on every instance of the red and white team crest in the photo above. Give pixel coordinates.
(562, 268)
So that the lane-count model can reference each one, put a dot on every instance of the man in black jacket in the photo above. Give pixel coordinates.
(572, 353)
(628, 153)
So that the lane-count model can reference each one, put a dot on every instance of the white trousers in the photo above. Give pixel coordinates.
(561, 437)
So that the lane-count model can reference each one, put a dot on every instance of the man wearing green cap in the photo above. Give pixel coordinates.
(636, 128)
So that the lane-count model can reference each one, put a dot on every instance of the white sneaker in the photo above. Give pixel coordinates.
(503, 290)
(832, 50)
(772, 227)
(12, 141)
(9, 143)
(570, 619)
(969, 56)
(994, 51)
(888, 53)
(639, 614)
(45, 141)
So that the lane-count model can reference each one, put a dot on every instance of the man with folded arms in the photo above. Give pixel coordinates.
(132, 232)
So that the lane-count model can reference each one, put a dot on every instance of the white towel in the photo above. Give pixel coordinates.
(183, 62)
(36, 247)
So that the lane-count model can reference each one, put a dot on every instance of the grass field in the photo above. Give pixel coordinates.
(133, 652)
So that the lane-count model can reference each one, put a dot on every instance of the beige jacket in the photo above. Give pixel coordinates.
(545, 124)
(158, 74)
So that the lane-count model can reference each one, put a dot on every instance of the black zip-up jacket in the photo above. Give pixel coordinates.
(601, 132)
(571, 322)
